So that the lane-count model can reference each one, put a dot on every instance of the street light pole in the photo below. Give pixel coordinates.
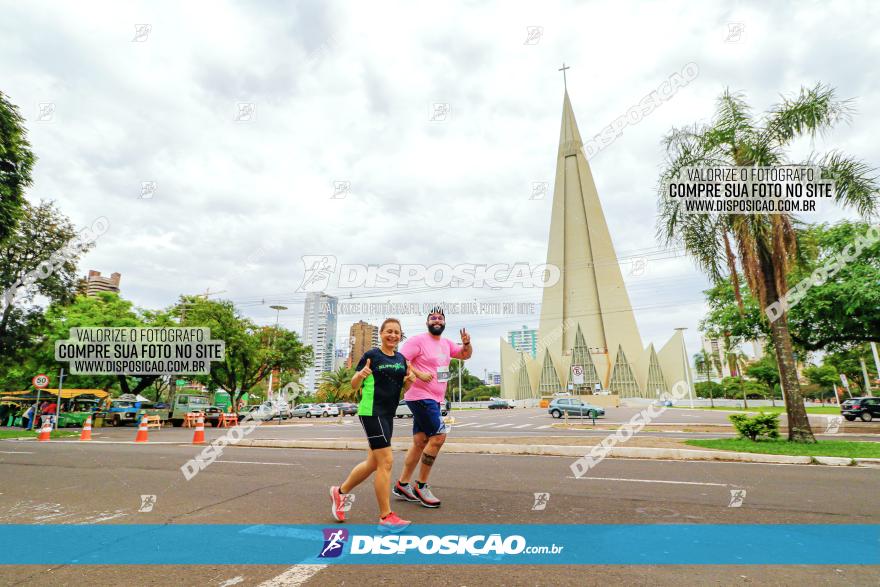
(272, 371)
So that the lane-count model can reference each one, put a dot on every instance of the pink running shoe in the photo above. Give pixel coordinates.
(338, 503)
(392, 523)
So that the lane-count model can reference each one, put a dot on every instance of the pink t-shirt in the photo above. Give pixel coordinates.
(429, 355)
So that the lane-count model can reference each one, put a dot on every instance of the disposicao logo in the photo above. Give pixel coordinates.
(334, 541)
(472, 545)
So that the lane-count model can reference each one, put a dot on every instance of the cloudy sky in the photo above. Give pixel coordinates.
(248, 118)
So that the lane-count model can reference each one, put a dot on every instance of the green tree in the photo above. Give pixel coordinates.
(848, 363)
(765, 371)
(335, 386)
(482, 393)
(105, 309)
(252, 352)
(825, 376)
(761, 246)
(38, 257)
(16, 164)
(843, 311)
(468, 381)
(705, 363)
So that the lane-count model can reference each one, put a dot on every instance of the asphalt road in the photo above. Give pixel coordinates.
(70, 483)
(518, 423)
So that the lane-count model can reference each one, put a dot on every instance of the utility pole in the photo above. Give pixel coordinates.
(876, 357)
(865, 375)
(60, 387)
(272, 371)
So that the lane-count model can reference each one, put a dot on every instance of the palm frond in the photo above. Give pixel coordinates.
(855, 182)
(814, 110)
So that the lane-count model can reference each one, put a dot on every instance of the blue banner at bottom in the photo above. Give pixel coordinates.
(477, 544)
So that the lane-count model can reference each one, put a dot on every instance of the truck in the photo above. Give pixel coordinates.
(182, 404)
(128, 409)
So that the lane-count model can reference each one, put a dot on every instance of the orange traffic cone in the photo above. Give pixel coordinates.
(142, 431)
(199, 434)
(86, 433)
(45, 430)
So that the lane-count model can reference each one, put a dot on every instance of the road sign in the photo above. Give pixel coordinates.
(577, 374)
(41, 381)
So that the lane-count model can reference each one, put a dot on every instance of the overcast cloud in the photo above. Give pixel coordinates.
(343, 92)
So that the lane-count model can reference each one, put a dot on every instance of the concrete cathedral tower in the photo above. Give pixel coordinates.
(586, 317)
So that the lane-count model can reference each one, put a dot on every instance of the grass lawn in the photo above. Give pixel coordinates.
(32, 434)
(772, 410)
(823, 448)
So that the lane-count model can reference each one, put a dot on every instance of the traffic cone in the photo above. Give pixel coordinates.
(45, 431)
(199, 434)
(86, 433)
(142, 431)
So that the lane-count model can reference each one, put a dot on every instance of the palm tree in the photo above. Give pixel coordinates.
(705, 361)
(335, 386)
(764, 246)
(737, 360)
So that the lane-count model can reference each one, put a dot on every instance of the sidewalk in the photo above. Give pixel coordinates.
(634, 448)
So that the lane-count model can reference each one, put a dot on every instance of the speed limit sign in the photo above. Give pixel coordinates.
(41, 381)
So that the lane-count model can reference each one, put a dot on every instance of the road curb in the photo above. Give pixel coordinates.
(677, 454)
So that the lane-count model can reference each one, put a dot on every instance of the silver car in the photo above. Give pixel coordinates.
(301, 411)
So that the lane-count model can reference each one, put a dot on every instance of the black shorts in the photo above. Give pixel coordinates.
(378, 429)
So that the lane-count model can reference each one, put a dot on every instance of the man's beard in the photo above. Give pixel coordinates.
(436, 329)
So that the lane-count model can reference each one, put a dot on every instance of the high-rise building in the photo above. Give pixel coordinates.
(588, 333)
(524, 340)
(714, 347)
(492, 378)
(319, 331)
(94, 283)
(363, 336)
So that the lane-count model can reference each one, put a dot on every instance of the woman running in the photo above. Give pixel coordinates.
(382, 373)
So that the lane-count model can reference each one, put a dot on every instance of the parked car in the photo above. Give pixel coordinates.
(404, 411)
(347, 409)
(328, 410)
(866, 408)
(276, 409)
(500, 404)
(258, 412)
(212, 416)
(573, 407)
(302, 411)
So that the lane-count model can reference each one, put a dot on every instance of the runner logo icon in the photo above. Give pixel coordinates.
(334, 541)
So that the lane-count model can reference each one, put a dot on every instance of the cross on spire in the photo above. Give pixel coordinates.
(562, 69)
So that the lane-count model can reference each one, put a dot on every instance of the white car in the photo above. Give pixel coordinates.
(403, 410)
(325, 410)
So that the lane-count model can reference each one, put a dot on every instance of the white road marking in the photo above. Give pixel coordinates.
(545, 427)
(522, 426)
(15, 452)
(295, 575)
(486, 424)
(503, 425)
(652, 481)
(465, 424)
(104, 518)
(260, 463)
